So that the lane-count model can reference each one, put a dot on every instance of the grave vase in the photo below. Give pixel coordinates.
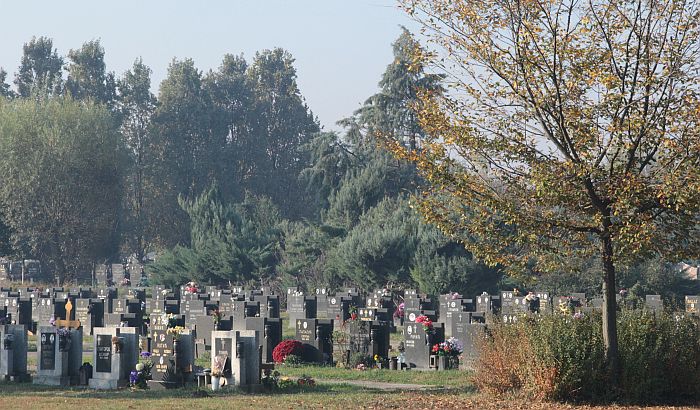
(8, 341)
(443, 363)
(215, 383)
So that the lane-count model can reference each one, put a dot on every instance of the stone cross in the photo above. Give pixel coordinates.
(71, 324)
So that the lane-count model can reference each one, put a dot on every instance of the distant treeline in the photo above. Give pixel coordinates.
(225, 175)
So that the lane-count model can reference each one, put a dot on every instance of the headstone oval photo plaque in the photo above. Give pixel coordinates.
(48, 351)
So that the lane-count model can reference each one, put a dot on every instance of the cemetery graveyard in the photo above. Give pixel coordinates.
(187, 335)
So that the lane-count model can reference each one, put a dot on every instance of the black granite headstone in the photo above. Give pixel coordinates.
(104, 354)
(47, 361)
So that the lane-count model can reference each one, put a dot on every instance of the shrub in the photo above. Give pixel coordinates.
(561, 358)
(358, 359)
(660, 357)
(286, 348)
(292, 360)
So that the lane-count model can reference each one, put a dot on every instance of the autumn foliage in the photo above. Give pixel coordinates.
(569, 134)
(561, 358)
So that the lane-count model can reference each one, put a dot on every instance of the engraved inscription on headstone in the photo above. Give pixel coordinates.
(48, 351)
(104, 354)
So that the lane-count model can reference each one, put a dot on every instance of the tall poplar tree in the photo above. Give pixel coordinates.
(136, 105)
(87, 75)
(40, 69)
(186, 155)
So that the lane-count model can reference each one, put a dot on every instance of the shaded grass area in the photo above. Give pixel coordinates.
(453, 379)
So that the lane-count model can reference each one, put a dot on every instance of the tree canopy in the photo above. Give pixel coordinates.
(570, 131)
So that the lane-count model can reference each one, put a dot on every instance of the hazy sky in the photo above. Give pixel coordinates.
(341, 46)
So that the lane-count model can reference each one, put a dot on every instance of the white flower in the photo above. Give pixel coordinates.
(139, 367)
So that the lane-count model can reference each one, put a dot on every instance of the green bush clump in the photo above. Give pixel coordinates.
(660, 356)
(293, 360)
(561, 358)
(358, 358)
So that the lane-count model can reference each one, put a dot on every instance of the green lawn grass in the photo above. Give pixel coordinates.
(453, 379)
(325, 396)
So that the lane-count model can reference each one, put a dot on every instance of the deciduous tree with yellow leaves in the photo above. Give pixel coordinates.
(569, 130)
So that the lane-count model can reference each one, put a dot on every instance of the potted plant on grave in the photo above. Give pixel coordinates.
(216, 316)
(138, 379)
(176, 333)
(64, 339)
(379, 362)
(448, 353)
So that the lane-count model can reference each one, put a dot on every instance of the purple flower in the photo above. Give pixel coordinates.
(145, 354)
(133, 377)
(52, 321)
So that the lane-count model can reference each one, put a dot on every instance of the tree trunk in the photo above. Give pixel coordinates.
(612, 356)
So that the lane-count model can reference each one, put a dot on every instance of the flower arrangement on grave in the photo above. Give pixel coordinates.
(452, 347)
(138, 379)
(426, 323)
(216, 316)
(379, 361)
(286, 348)
(400, 311)
(125, 282)
(52, 321)
(191, 287)
(117, 343)
(175, 332)
(353, 312)
(169, 320)
(270, 379)
(455, 296)
(218, 369)
(306, 381)
(286, 382)
(164, 292)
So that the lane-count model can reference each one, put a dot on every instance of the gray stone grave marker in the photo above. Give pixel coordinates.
(241, 348)
(113, 362)
(13, 353)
